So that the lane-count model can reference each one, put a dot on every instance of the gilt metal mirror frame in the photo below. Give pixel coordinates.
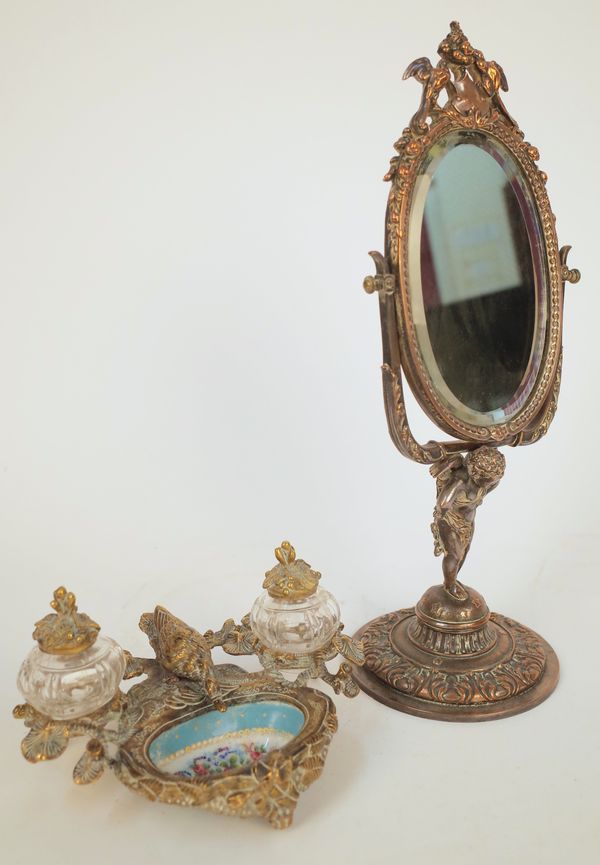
(450, 658)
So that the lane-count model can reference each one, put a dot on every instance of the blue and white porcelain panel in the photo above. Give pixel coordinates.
(220, 742)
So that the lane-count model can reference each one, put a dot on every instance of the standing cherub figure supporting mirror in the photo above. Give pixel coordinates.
(470, 295)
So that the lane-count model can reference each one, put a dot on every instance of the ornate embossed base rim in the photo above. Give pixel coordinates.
(396, 699)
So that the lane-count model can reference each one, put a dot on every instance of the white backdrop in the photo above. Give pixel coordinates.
(190, 373)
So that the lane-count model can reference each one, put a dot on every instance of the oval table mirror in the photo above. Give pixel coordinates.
(470, 295)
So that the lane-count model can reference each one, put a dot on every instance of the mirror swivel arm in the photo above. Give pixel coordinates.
(568, 274)
(383, 281)
(380, 283)
(399, 428)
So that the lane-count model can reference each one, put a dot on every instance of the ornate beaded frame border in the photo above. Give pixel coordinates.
(473, 104)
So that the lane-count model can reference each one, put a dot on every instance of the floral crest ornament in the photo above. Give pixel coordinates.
(291, 579)
(66, 631)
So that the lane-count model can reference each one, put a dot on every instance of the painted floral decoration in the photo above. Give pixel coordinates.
(225, 758)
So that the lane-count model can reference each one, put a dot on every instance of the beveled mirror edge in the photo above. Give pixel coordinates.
(412, 361)
(427, 184)
(473, 103)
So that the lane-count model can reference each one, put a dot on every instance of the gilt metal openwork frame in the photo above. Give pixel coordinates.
(450, 658)
(182, 683)
(471, 108)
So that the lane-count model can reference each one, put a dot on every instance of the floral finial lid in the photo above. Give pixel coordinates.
(66, 631)
(292, 579)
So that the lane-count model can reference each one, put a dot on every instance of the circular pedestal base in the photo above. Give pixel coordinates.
(452, 680)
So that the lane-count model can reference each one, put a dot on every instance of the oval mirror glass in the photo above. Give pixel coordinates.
(477, 278)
